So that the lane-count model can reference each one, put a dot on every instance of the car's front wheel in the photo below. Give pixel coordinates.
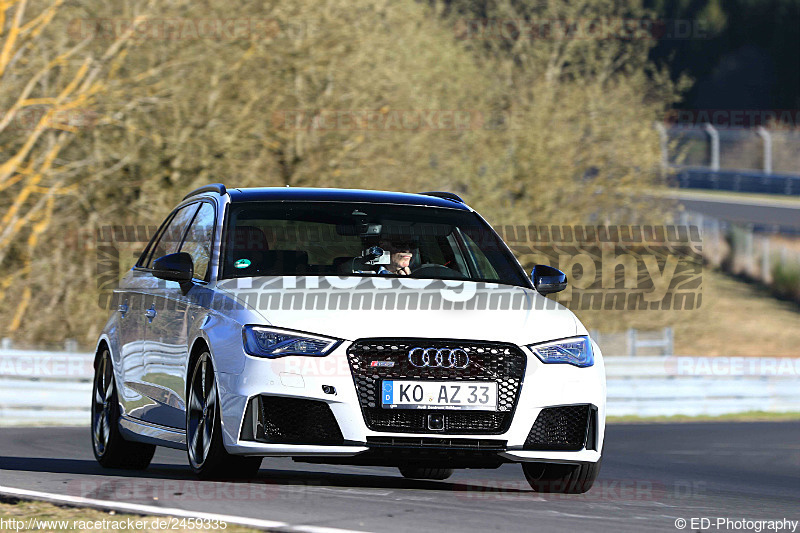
(110, 448)
(207, 455)
(561, 478)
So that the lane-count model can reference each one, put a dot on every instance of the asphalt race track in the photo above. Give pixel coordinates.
(653, 474)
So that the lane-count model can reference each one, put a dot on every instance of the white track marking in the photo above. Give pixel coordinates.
(166, 511)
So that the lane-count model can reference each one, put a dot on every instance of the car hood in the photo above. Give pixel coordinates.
(353, 308)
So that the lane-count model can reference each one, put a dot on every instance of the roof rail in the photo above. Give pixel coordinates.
(446, 195)
(214, 187)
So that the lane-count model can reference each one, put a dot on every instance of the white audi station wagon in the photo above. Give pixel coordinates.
(345, 327)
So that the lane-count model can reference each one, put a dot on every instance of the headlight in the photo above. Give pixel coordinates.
(576, 351)
(263, 341)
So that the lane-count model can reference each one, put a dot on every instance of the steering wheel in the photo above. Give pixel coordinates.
(434, 270)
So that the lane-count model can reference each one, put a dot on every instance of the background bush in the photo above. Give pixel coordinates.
(566, 133)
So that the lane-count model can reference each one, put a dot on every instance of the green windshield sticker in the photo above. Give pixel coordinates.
(242, 263)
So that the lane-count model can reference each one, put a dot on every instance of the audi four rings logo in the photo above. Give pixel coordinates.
(438, 357)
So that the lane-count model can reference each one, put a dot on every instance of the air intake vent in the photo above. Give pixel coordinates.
(280, 420)
(566, 428)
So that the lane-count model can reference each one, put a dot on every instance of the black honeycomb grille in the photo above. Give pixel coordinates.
(296, 421)
(560, 428)
(499, 362)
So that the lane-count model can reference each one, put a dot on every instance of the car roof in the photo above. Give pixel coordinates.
(313, 194)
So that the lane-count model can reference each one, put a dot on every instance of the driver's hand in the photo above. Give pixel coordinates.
(403, 271)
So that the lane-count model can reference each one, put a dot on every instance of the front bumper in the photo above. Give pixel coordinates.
(312, 378)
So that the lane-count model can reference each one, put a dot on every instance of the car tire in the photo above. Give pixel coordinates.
(419, 472)
(110, 448)
(205, 449)
(561, 478)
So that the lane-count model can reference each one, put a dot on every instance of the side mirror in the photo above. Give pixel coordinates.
(174, 267)
(548, 280)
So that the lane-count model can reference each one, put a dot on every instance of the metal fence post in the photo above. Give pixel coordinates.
(767, 137)
(713, 134)
(716, 231)
(631, 341)
(664, 138)
(669, 341)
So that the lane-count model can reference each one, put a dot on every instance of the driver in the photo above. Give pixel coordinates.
(400, 256)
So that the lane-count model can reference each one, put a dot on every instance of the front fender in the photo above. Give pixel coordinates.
(224, 339)
(110, 336)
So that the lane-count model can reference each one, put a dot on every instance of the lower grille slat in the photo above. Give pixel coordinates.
(429, 442)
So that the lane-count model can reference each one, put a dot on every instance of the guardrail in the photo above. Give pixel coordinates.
(754, 160)
(761, 150)
(737, 181)
(45, 387)
(666, 386)
(54, 388)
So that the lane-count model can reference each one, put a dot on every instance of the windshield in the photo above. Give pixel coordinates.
(358, 239)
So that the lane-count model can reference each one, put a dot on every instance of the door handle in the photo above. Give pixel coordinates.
(123, 308)
(151, 313)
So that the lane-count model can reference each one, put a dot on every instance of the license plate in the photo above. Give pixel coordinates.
(448, 395)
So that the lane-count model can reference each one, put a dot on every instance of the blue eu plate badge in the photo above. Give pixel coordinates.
(387, 392)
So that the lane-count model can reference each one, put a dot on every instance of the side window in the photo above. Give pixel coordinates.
(170, 239)
(199, 240)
